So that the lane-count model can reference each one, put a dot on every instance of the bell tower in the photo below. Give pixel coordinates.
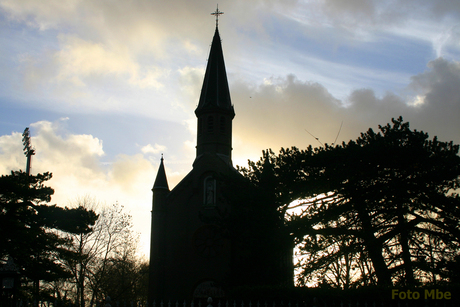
(215, 110)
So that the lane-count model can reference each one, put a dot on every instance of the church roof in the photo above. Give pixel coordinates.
(215, 92)
(161, 182)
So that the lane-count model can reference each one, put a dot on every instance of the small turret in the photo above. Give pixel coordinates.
(157, 240)
(161, 182)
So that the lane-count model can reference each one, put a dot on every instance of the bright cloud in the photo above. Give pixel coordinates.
(11, 156)
(153, 149)
(78, 171)
(82, 58)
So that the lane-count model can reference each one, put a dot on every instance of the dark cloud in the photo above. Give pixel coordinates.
(440, 83)
(283, 111)
(439, 91)
(278, 112)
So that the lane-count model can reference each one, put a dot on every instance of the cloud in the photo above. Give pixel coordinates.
(43, 14)
(129, 174)
(360, 21)
(140, 25)
(78, 169)
(11, 154)
(73, 159)
(352, 11)
(80, 61)
(278, 112)
(94, 56)
(286, 111)
(440, 83)
(76, 162)
(439, 89)
(85, 76)
(145, 27)
(155, 149)
(115, 56)
(384, 12)
(80, 58)
(190, 81)
(446, 39)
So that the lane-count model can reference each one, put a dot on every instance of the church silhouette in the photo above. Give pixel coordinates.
(191, 254)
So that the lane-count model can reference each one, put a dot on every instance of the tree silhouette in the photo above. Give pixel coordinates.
(383, 209)
(110, 244)
(389, 193)
(31, 229)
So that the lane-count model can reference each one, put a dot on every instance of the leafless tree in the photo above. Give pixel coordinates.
(112, 235)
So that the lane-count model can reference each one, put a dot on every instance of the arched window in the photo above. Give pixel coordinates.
(210, 124)
(209, 199)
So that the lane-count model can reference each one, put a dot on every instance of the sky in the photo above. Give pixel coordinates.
(108, 86)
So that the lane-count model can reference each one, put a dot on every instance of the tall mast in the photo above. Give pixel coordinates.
(28, 150)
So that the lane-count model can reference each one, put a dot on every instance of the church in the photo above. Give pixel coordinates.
(191, 254)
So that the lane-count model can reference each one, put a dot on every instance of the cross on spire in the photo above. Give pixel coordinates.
(217, 13)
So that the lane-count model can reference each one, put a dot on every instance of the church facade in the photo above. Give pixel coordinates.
(207, 233)
(190, 255)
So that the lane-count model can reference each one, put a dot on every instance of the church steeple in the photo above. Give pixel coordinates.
(215, 92)
(215, 110)
(190, 255)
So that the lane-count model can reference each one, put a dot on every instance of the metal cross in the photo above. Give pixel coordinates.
(217, 13)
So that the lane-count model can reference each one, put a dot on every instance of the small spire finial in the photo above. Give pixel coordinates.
(217, 13)
(161, 157)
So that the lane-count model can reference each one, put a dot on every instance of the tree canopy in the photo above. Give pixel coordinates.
(32, 230)
(383, 209)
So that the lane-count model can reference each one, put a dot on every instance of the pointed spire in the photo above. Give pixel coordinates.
(215, 93)
(161, 182)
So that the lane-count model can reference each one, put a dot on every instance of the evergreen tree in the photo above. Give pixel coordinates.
(31, 229)
(383, 209)
(388, 194)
